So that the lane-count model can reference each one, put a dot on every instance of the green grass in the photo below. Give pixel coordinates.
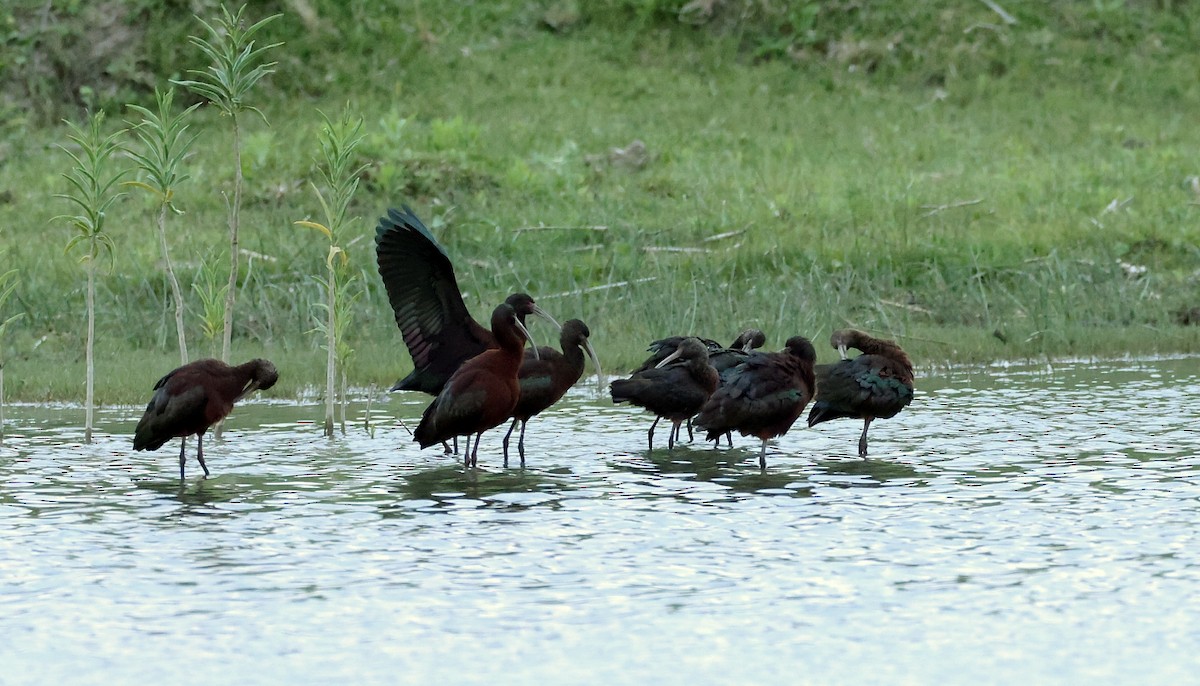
(828, 179)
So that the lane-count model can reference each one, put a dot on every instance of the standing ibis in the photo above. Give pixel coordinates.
(191, 398)
(546, 376)
(674, 391)
(763, 395)
(875, 385)
(481, 393)
(720, 358)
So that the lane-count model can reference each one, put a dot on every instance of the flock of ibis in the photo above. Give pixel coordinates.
(482, 377)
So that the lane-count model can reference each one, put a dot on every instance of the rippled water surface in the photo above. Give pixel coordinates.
(1014, 525)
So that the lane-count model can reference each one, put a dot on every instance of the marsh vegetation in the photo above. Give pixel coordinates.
(976, 184)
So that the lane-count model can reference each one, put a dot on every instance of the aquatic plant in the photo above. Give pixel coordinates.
(340, 172)
(92, 180)
(235, 68)
(164, 144)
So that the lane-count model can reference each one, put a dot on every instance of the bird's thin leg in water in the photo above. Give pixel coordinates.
(691, 438)
(675, 428)
(521, 443)
(729, 437)
(445, 447)
(862, 440)
(762, 456)
(651, 437)
(506, 437)
(182, 446)
(466, 451)
(475, 450)
(200, 453)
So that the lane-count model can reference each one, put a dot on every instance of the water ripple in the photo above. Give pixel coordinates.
(1018, 523)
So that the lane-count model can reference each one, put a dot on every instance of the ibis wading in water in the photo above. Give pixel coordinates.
(191, 398)
(875, 385)
(547, 375)
(481, 393)
(720, 358)
(763, 395)
(674, 391)
(437, 328)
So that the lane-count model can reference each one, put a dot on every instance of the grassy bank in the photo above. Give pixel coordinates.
(1013, 191)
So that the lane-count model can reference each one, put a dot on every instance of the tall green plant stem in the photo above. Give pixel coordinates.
(92, 193)
(330, 346)
(338, 143)
(176, 291)
(234, 222)
(164, 145)
(8, 284)
(89, 413)
(226, 83)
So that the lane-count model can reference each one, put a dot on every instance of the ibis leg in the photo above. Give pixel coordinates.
(762, 456)
(508, 435)
(862, 440)
(200, 453)
(651, 435)
(182, 446)
(521, 442)
(475, 451)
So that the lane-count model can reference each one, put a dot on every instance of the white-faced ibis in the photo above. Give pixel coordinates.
(674, 391)
(191, 398)
(545, 377)
(437, 328)
(874, 385)
(763, 395)
(481, 393)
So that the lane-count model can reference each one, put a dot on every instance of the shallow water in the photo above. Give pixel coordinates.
(1034, 524)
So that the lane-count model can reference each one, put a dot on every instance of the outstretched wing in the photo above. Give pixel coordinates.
(434, 321)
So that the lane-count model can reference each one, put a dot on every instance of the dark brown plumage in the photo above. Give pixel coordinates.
(763, 395)
(720, 358)
(545, 377)
(191, 398)
(875, 385)
(437, 328)
(481, 393)
(674, 391)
